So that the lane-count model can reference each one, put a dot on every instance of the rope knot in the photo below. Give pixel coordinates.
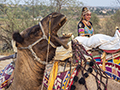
(30, 47)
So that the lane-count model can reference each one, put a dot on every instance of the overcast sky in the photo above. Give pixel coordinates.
(100, 2)
(93, 2)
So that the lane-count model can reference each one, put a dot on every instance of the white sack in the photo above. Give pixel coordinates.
(103, 41)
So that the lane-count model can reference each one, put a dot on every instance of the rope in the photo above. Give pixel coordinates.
(79, 51)
(48, 42)
(43, 37)
(47, 51)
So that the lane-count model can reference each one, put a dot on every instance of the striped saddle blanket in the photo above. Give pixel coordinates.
(63, 81)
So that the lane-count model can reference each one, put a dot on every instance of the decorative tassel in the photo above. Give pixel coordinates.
(90, 70)
(82, 81)
(53, 75)
(91, 63)
(72, 87)
(86, 75)
(75, 78)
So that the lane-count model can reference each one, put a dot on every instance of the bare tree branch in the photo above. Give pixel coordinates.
(118, 1)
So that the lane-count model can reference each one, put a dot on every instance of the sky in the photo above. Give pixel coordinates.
(106, 3)
(99, 2)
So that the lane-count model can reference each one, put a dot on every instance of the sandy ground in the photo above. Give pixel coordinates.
(4, 63)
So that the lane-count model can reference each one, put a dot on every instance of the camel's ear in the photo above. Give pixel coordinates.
(17, 37)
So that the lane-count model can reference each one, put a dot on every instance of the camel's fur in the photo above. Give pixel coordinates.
(28, 73)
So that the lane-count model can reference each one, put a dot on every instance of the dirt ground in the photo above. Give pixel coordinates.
(4, 63)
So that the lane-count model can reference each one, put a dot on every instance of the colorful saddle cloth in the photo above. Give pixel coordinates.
(6, 73)
(112, 65)
(63, 78)
(63, 81)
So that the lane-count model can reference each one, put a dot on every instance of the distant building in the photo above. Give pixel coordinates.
(104, 12)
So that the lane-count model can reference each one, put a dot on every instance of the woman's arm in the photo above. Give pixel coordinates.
(80, 28)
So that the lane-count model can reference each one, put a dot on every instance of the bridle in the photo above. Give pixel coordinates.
(43, 37)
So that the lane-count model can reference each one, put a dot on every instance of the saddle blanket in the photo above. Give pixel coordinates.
(63, 81)
(6, 73)
(63, 78)
(112, 65)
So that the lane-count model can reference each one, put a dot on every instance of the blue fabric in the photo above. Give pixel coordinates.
(98, 60)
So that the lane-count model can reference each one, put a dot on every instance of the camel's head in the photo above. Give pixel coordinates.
(48, 27)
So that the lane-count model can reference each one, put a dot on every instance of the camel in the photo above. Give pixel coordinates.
(90, 76)
(35, 48)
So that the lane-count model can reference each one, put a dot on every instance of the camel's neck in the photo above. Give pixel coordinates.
(27, 71)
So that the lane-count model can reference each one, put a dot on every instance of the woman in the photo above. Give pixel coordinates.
(85, 27)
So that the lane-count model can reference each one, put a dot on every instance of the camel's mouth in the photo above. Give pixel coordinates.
(64, 19)
(60, 24)
(64, 39)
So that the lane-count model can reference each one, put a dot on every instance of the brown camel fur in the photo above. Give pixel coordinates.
(28, 73)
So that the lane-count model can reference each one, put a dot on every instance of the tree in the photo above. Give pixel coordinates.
(19, 17)
(116, 18)
(111, 23)
(118, 1)
(95, 21)
(16, 18)
(59, 4)
(109, 27)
